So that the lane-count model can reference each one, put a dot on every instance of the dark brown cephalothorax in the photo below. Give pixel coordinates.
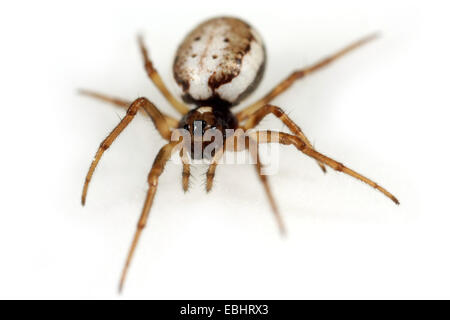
(217, 64)
(207, 126)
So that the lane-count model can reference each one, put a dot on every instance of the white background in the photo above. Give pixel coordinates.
(383, 111)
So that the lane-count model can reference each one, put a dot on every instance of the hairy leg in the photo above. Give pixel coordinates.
(172, 122)
(287, 139)
(259, 114)
(299, 74)
(154, 76)
(264, 180)
(238, 145)
(186, 173)
(158, 119)
(157, 169)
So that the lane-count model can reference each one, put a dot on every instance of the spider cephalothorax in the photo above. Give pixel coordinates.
(207, 129)
(218, 63)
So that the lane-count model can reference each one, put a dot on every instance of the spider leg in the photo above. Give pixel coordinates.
(172, 122)
(238, 146)
(186, 174)
(154, 76)
(288, 139)
(158, 119)
(211, 172)
(113, 100)
(262, 112)
(299, 74)
(210, 175)
(265, 182)
(159, 163)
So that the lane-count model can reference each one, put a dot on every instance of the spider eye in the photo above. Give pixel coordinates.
(186, 127)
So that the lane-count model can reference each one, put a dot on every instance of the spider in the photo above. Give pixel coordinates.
(219, 63)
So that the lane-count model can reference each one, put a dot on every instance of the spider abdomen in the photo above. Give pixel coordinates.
(219, 62)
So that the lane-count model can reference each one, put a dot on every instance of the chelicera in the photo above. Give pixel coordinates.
(219, 63)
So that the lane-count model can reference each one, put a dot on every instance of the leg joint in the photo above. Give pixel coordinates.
(153, 181)
(298, 74)
(277, 111)
(339, 167)
(136, 105)
(149, 67)
(105, 145)
(141, 225)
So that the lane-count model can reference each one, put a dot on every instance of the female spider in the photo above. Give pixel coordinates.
(219, 63)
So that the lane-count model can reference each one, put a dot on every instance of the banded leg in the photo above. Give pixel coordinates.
(299, 74)
(262, 112)
(287, 139)
(172, 122)
(161, 159)
(265, 182)
(158, 119)
(154, 76)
